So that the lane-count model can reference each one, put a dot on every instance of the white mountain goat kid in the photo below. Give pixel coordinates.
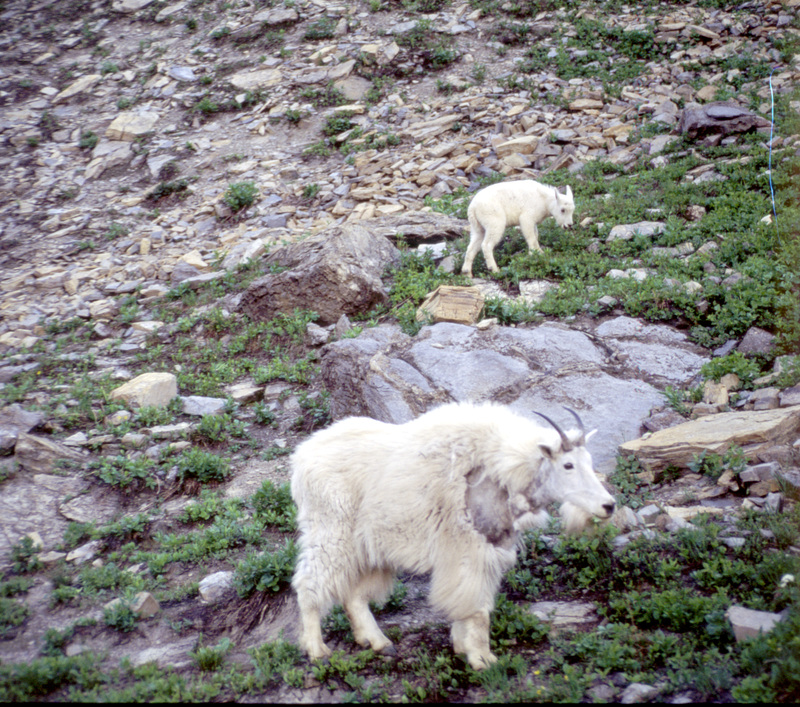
(447, 493)
(524, 203)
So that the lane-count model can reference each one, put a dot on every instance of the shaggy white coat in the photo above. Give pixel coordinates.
(447, 493)
(524, 203)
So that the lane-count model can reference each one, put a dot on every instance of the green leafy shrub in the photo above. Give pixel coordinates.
(277, 661)
(746, 368)
(204, 466)
(275, 505)
(120, 616)
(12, 614)
(125, 472)
(216, 428)
(88, 140)
(679, 610)
(713, 465)
(24, 556)
(209, 658)
(269, 571)
(240, 195)
(323, 28)
(30, 680)
(513, 624)
(337, 123)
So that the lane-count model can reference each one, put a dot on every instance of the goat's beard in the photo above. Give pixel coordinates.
(574, 518)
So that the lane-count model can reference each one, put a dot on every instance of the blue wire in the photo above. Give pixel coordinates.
(771, 129)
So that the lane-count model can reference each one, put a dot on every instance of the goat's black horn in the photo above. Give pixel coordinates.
(580, 423)
(566, 445)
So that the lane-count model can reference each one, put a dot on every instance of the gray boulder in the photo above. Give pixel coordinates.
(698, 121)
(389, 376)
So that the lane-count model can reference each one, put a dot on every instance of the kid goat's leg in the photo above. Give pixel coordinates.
(527, 225)
(493, 236)
(475, 238)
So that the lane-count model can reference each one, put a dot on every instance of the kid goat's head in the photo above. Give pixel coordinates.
(563, 208)
(573, 481)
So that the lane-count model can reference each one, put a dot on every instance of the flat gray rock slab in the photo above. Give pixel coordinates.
(389, 376)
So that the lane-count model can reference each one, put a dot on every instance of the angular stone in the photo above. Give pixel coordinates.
(148, 390)
(245, 393)
(15, 417)
(627, 231)
(145, 605)
(765, 399)
(176, 431)
(85, 552)
(337, 271)
(448, 303)
(214, 586)
(201, 405)
(38, 455)
(129, 5)
(242, 252)
(718, 118)
(748, 623)
(638, 692)
(756, 341)
(84, 83)
(586, 104)
(522, 145)
(564, 614)
(753, 431)
(129, 125)
(715, 393)
(251, 80)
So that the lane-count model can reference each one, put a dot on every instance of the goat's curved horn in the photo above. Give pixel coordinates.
(580, 424)
(566, 445)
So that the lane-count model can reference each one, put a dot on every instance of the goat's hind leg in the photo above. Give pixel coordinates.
(376, 586)
(475, 238)
(492, 237)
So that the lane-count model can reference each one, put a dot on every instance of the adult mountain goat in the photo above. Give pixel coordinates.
(447, 493)
(524, 203)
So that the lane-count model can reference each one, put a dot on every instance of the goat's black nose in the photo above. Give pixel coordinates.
(609, 507)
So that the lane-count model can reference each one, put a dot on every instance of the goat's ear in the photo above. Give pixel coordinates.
(549, 452)
(569, 192)
(589, 435)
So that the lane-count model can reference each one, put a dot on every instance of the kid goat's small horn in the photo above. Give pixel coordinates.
(566, 445)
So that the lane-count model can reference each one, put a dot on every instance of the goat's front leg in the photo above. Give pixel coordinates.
(471, 636)
(311, 637)
(527, 224)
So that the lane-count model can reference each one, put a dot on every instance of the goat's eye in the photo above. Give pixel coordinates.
(569, 466)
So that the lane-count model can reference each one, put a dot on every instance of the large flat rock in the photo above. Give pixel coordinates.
(389, 376)
(753, 431)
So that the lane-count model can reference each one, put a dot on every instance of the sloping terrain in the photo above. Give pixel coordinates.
(147, 144)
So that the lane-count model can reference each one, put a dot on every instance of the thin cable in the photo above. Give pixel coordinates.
(771, 129)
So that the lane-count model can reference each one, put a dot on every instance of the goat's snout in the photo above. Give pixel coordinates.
(609, 508)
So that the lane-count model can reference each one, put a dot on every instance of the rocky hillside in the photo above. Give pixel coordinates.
(161, 348)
